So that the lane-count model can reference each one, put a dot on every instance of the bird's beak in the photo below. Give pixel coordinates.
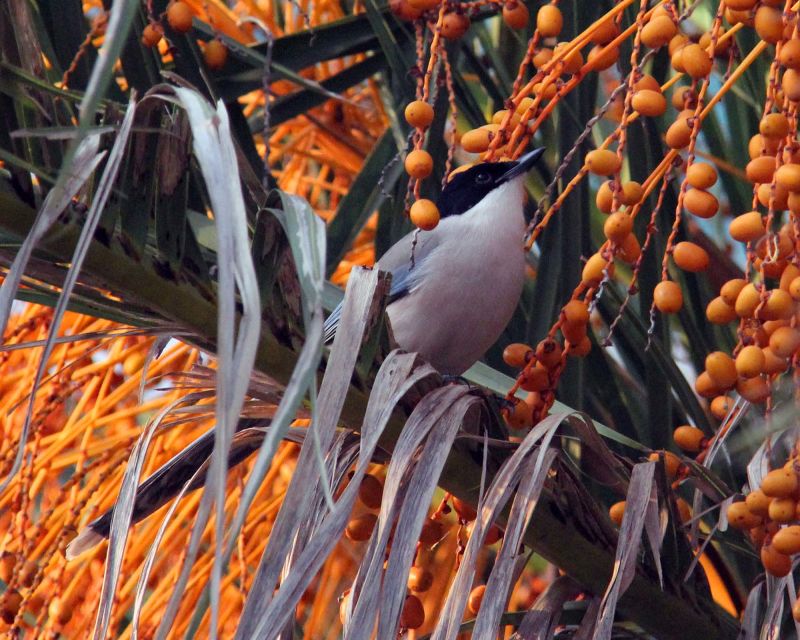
(524, 164)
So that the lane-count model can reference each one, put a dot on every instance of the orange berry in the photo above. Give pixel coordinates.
(360, 528)
(515, 14)
(787, 540)
(701, 175)
(647, 82)
(618, 226)
(605, 197)
(476, 597)
(403, 10)
(616, 512)
(736, 17)
(582, 348)
(548, 352)
(720, 312)
(594, 271)
(722, 369)
(672, 463)
(790, 273)
(750, 361)
(760, 169)
(179, 16)
(576, 312)
(688, 438)
(424, 214)
(370, 492)
(521, 417)
(536, 378)
(432, 532)
(690, 257)
(790, 83)
(549, 21)
(419, 114)
(500, 116)
(773, 196)
(779, 306)
(602, 57)
(454, 25)
(721, 406)
(741, 5)
(755, 390)
(668, 297)
(517, 355)
(683, 97)
(774, 125)
(782, 510)
(779, 483)
(761, 146)
(785, 341)
(747, 227)
(679, 133)
(776, 563)
(419, 164)
(632, 192)
(730, 291)
(11, 602)
(740, 517)
(465, 511)
(705, 386)
(424, 5)
(696, 61)
(768, 23)
(603, 162)
(413, 614)
(773, 363)
(571, 62)
(790, 54)
(152, 34)
(215, 55)
(649, 103)
(701, 203)
(546, 90)
(629, 249)
(478, 140)
(794, 288)
(788, 176)
(605, 32)
(542, 57)
(419, 579)
(758, 503)
(658, 31)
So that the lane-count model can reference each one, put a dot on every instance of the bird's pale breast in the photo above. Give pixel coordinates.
(467, 294)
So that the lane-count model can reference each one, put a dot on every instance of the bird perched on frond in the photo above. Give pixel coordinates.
(454, 290)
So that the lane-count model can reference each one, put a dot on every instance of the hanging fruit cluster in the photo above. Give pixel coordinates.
(770, 514)
(442, 538)
(179, 16)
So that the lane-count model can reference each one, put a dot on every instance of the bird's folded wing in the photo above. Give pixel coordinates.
(398, 262)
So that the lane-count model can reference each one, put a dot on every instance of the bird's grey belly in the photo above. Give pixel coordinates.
(452, 327)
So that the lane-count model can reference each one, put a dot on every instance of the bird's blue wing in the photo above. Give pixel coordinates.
(397, 261)
(401, 285)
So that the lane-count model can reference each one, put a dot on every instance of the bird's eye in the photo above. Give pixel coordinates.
(483, 178)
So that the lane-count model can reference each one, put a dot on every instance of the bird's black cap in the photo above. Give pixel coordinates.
(468, 188)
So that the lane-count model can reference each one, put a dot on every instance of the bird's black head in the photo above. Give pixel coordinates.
(468, 188)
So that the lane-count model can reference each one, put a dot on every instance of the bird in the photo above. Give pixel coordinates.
(455, 288)
(453, 291)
